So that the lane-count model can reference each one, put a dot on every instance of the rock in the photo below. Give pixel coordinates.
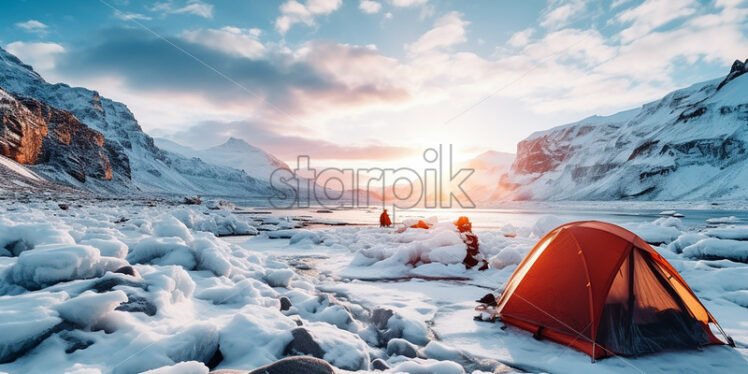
(296, 365)
(216, 359)
(107, 282)
(194, 200)
(34, 133)
(220, 204)
(401, 347)
(737, 69)
(303, 343)
(128, 270)
(380, 316)
(137, 304)
(63, 206)
(285, 303)
(288, 365)
(9, 352)
(379, 364)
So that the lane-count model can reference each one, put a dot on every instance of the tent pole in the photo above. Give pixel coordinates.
(730, 342)
(593, 352)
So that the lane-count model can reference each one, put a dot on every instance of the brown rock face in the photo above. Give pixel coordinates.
(34, 133)
(20, 138)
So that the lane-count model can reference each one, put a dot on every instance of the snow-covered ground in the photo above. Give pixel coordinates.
(124, 287)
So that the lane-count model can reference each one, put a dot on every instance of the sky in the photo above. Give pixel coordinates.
(374, 82)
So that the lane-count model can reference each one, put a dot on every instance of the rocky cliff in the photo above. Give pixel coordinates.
(690, 145)
(34, 133)
(137, 164)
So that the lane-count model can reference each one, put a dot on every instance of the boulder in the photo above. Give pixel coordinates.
(303, 343)
(285, 303)
(380, 316)
(402, 347)
(379, 364)
(128, 270)
(296, 365)
(136, 304)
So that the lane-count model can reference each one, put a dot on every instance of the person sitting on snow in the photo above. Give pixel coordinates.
(473, 256)
(384, 219)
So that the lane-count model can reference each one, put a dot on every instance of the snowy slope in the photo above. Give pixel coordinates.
(689, 145)
(489, 166)
(15, 177)
(235, 153)
(152, 169)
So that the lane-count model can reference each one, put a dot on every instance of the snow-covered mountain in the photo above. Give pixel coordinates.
(235, 153)
(489, 166)
(690, 145)
(150, 169)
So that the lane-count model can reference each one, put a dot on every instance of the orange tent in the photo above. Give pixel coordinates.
(601, 289)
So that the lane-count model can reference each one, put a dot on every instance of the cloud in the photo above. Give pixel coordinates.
(652, 14)
(313, 94)
(230, 40)
(128, 16)
(369, 7)
(521, 38)
(293, 12)
(42, 56)
(33, 26)
(447, 31)
(194, 7)
(560, 13)
(317, 78)
(408, 3)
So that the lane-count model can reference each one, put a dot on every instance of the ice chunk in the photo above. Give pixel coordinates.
(88, 308)
(420, 366)
(439, 351)
(255, 336)
(163, 251)
(545, 224)
(171, 227)
(305, 236)
(342, 349)
(53, 263)
(108, 247)
(16, 238)
(26, 320)
(713, 248)
(187, 367)
(730, 219)
(279, 278)
(731, 232)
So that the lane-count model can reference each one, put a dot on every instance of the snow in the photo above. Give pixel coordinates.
(730, 219)
(420, 366)
(716, 248)
(152, 170)
(89, 308)
(187, 367)
(63, 308)
(676, 148)
(18, 168)
(49, 264)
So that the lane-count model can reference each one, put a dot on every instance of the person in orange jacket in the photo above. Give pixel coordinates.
(473, 256)
(384, 219)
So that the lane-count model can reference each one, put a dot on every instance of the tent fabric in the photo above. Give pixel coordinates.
(601, 289)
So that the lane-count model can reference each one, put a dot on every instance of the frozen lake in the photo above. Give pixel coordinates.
(525, 213)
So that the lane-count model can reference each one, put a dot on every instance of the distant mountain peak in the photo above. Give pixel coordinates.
(232, 140)
(737, 69)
